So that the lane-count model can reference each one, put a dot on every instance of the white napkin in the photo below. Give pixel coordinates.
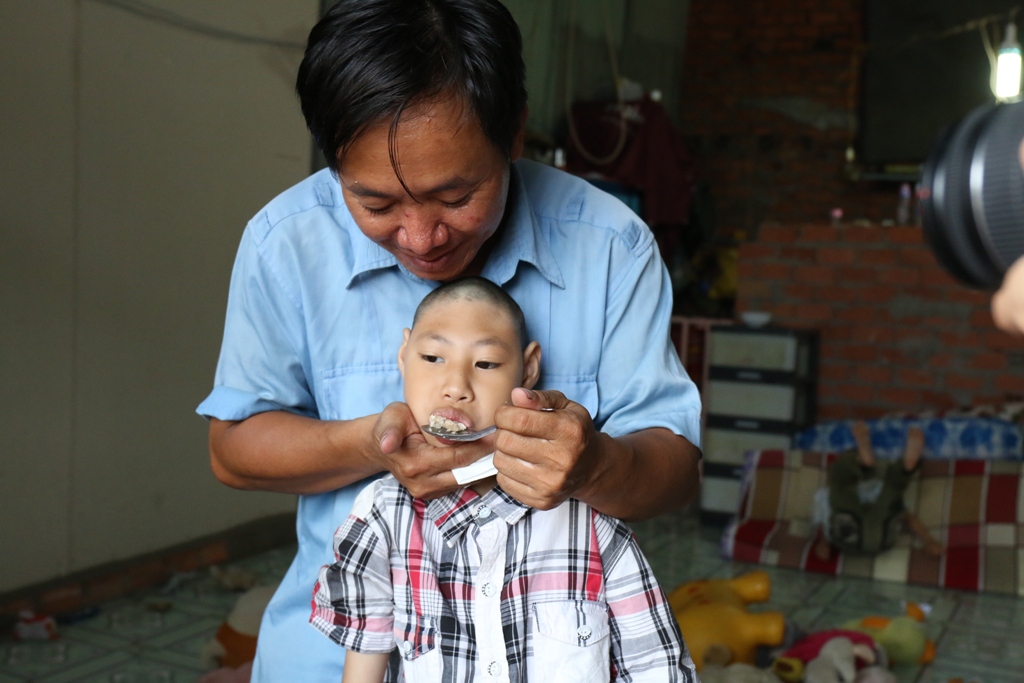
(481, 469)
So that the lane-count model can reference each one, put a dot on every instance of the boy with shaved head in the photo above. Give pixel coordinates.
(475, 583)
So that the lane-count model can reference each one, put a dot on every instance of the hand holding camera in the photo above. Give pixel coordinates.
(972, 206)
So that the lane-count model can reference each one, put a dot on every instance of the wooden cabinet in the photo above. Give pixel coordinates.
(761, 389)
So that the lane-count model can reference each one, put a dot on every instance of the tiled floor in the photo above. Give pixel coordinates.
(129, 641)
(980, 638)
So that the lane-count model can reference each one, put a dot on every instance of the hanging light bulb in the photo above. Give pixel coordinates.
(1007, 81)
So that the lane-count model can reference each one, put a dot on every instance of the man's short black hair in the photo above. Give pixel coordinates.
(367, 60)
(477, 288)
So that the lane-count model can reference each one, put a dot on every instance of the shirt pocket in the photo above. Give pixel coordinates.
(419, 645)
(358, 390)
(570, 642)
(579, 388)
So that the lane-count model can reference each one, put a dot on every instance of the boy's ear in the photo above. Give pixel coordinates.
(401, 351)
(531, 365)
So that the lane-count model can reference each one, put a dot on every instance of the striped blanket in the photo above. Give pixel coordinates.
(975, 508)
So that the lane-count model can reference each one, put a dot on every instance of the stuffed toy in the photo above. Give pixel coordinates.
(875, 674)
(839, 662)
(795, 664)
(862, 510)
(713, 617)
(735, 673)
(32, 626)
(234, 644)
(836, 663)
(903, 638)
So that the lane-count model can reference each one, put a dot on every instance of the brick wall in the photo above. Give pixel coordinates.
(769, 96)
(897, 333)
(770, 91)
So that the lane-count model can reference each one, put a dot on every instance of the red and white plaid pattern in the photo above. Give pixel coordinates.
(975, 508)
(410, 572)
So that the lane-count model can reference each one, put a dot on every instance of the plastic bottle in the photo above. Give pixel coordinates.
(917, 204)
(836, 216)
(559, 157)
(903, 208)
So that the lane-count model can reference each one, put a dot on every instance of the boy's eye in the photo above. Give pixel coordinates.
(430, 359)
(377, 212)
(487, 365)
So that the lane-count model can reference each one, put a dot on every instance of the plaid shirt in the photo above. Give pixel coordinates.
(484, 588)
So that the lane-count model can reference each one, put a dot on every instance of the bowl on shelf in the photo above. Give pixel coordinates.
(755, 318)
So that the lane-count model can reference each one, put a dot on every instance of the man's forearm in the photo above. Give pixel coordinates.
(644, 474)
(286, 453)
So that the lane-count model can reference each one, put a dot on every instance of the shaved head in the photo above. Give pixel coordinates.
(476, 288)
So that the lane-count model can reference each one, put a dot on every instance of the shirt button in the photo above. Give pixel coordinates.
(494, 668)
(488, 589)
(407, 647)
(483, 512)
(584, 632)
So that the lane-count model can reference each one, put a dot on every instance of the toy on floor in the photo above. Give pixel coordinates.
(242, 674)
(234, 644)
(875, 674)
(232, 578)
(735, 673)
(32, 626)
(903, 637)
(836, 650)
(862, 510)
(712, 615)
(836, 661)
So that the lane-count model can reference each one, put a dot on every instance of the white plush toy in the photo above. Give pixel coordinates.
(735, 673)
(235, 642)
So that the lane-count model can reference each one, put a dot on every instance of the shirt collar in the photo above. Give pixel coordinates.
(520, 241)
(453, 513)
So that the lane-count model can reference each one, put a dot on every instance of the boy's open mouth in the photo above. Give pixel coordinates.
(450, 420)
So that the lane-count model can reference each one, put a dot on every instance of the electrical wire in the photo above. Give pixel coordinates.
(980, 23)
(989, 43)
(166, 17)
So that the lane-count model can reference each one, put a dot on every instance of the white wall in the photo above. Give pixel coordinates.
(133, 154)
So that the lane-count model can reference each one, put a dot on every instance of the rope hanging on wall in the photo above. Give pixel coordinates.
(621, 105)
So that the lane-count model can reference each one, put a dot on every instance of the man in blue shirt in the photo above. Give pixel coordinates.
(420, 110)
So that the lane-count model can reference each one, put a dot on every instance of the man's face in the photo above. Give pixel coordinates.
(461, 361)
(458, 178)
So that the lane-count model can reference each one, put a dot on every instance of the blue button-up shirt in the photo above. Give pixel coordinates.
(315, 318)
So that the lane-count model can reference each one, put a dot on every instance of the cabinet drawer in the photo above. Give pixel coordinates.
(754, 350)
(746, 399)
(719, 496)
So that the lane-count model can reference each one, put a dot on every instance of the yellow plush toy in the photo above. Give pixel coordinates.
(713, 617)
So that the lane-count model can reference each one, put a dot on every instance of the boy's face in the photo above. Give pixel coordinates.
(462, 360)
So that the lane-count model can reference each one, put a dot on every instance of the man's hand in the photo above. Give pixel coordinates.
(546, 448)
(426, 470)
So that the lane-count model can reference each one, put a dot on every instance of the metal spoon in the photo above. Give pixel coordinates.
(459, 436)
(465, 436)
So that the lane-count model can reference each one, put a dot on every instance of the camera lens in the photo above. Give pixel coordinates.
(972, 195)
